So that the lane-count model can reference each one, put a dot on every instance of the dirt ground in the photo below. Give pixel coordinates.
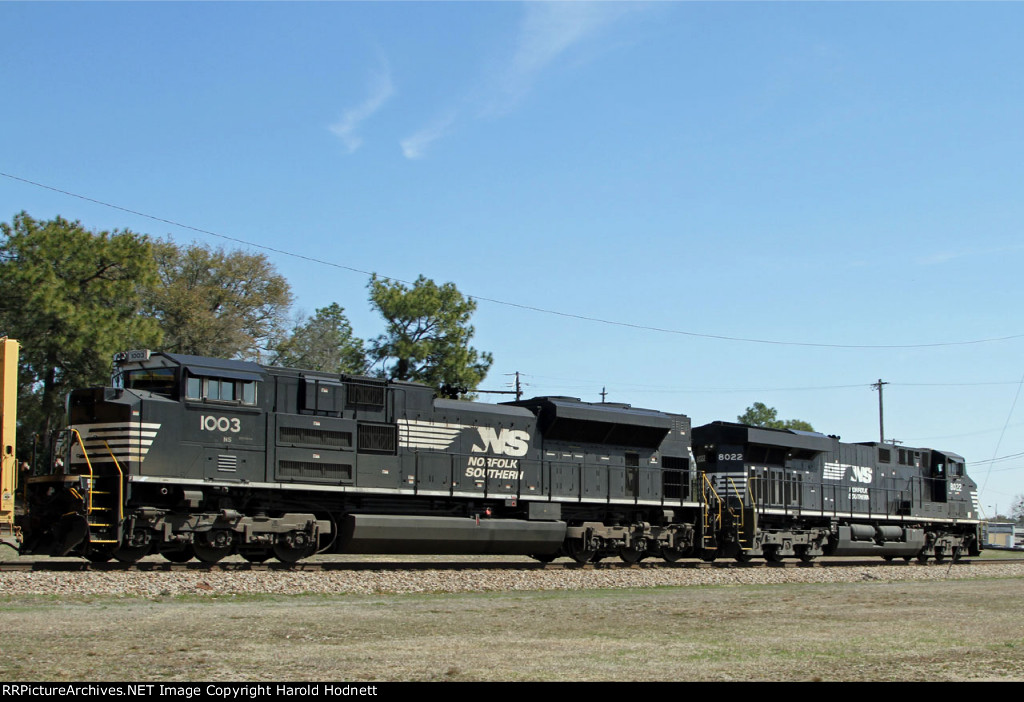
(945, 630)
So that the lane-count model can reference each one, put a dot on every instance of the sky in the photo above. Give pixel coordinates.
(693, 206)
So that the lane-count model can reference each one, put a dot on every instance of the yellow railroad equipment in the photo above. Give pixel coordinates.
(10, 535)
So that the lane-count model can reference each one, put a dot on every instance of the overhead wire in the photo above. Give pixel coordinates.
(598, 320)
(506, 303)
(1006, 424)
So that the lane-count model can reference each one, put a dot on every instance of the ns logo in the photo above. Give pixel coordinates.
(861, 474)
(507, 442)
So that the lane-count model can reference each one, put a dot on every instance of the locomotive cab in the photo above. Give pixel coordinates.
(148, 462)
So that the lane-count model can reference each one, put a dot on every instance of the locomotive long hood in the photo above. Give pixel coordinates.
(568, 419)
(789, 438)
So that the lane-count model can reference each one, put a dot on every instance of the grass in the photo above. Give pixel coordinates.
(945, 630)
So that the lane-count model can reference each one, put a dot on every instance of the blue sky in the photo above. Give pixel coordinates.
(824, 175)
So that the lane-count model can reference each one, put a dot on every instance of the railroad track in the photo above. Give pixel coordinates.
(45, 565)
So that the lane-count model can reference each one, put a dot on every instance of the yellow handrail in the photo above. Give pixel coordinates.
(718, 500)
(120, 484)
(748, 496)
(88, 463)
(92, 476)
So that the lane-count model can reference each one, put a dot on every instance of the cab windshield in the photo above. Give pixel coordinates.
(161, 381)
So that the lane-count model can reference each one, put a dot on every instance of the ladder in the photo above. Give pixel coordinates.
(103, 501)
(711, 522)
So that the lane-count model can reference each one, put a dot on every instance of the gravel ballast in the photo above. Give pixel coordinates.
(212, 583)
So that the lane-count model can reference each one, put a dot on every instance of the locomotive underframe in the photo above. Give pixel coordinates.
(774, 538)
(181, 520)
(213, 521)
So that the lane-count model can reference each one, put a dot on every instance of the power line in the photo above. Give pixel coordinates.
(531, 308)
(955, 385)
(998, 460)
(574, 383)
(999, 441)
(959, 436)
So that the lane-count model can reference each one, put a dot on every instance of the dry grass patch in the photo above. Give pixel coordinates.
(944, 630)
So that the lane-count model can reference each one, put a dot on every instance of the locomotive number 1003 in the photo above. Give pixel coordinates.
(208, 422)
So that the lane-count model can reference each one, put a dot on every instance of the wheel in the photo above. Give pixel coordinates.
(579, 553)
(214, 545)
(908, 559)
(99, 555)
(544, 557)
(803, 555)
(771, 554)
(888, 559)
(631, 555)
(957, 554)
(136, 545)
(211, 554)
(131, 554)
(940, 555)
(922, 558)
(708, 556)
(743, 556)
(178, 555)
(256, 555)
(672, 555)
(294, 546)
(291, 554)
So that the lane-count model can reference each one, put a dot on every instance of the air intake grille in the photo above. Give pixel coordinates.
(314, 470)
(315, 437)
(367, 392)
(378, 438)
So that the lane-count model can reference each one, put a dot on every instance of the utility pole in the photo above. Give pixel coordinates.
(604, 394)
(881, 424)
(518, 392)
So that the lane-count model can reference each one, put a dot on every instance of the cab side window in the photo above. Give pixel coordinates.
(220, 390)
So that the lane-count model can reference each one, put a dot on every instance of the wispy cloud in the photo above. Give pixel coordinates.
(941, 257)
(381, 90)
(416, 146)
(546, 33)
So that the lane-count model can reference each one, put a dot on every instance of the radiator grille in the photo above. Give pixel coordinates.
(378, 438)
(367, 392)
(316, 437)
(314, 470)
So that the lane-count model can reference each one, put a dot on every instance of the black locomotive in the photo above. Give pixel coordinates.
(201, 457)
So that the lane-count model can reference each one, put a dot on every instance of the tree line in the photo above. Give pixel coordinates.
(761, 415)
(74, 297)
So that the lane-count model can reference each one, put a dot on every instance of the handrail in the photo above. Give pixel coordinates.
(92, 475)
(120, 483)
(88, 463)
(718, 500)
